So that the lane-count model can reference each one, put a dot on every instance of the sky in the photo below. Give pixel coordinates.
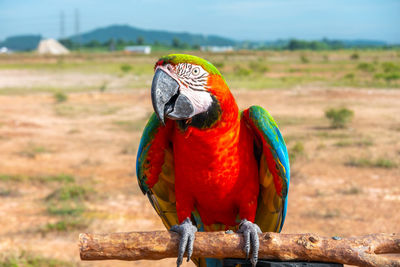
(254, 20)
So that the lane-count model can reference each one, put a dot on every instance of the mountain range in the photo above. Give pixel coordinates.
(129, 33)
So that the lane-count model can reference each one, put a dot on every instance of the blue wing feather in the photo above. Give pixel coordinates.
(266, 129)
(145, 143)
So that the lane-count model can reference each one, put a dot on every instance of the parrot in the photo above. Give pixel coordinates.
(206, 166)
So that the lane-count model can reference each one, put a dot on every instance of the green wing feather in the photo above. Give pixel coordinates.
(274, 169)
(162, 194)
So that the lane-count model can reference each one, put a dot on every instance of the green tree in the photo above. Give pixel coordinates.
(67, 43)
(121, 42)
(93, 43)
(140, 40)
(296, 45)
(109, 42)
(176, 43)
(130, 42)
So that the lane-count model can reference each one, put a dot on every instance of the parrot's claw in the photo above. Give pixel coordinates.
(250, 233)
(186, 230)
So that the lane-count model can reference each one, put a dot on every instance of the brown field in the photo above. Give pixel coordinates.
(68, 165)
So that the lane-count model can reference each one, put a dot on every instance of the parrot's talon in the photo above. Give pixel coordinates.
(187, 231)
(250, 233)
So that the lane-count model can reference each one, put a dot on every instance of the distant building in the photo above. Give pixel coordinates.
(140, 49)
(52, 47)
(216, 49)
(5, 50)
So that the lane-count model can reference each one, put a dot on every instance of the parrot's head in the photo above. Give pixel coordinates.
(190, 89)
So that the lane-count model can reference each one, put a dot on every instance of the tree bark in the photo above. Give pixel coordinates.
(361, 251)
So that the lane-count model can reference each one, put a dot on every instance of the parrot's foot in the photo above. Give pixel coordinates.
(187, 230)
(250, 233)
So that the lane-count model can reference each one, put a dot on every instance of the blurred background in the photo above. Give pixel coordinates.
(75, 80)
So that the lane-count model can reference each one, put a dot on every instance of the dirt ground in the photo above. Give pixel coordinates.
(93, 137)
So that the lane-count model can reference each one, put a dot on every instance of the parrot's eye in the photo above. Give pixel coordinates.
(196, 71)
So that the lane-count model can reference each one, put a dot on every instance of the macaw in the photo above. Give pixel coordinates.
(204, 165)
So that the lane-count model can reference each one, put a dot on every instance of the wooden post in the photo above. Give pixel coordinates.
(361, 251)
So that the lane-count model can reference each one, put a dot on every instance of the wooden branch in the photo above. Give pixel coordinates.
(361, 251)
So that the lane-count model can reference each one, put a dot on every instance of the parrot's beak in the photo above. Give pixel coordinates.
(166, 99)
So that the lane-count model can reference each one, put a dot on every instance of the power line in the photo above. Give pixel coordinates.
(62, 24)
(77, 26)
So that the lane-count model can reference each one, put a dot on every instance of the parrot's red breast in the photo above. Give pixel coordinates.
(214, 171)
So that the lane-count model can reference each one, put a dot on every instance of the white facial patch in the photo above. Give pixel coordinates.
(192, 76)
(192, 81)
(201, 100)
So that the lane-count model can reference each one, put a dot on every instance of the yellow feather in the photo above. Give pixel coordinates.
(163, 192)
(280, 163)
(269, 203)
(167, 172)
(265, 174)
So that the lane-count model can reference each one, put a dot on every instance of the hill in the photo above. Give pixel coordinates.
(22, 42)
(323, 44)
(363, 43)
(129, 33)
